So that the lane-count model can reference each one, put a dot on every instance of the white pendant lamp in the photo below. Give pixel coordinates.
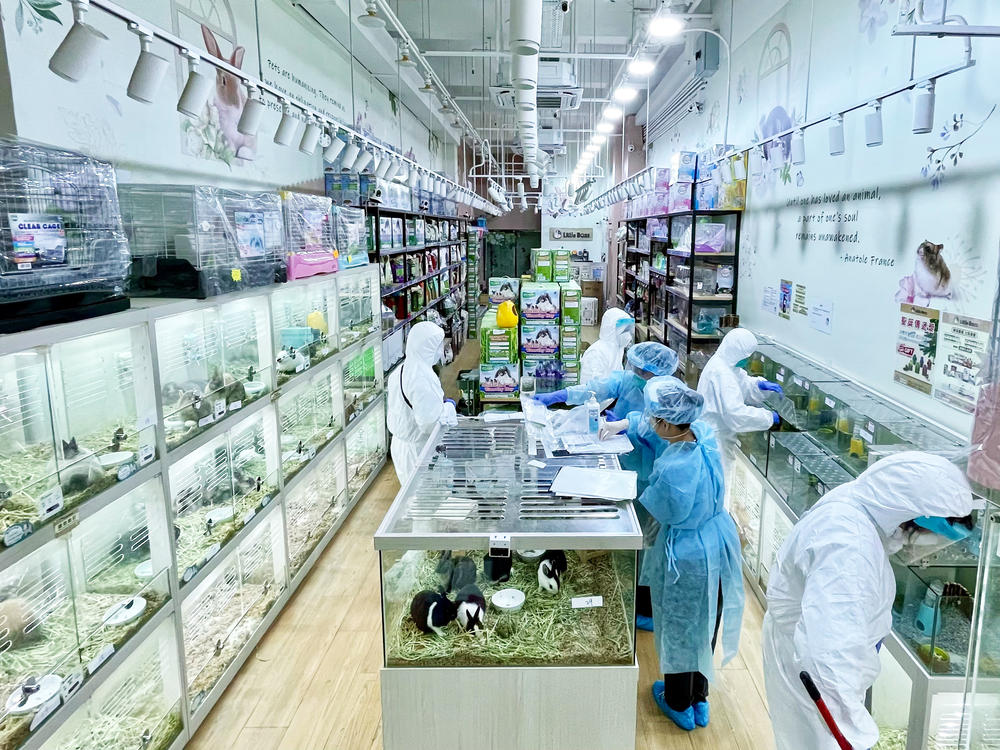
(370, 18)
(288, 126)
(196, 89)
(149, 70)
(79, 47)
(253, 112)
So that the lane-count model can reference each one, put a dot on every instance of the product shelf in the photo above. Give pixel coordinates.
(683, 293)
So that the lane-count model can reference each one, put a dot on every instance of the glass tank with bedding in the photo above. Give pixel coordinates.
(39, 644)
(363, 379)
(223, 612)
(255, 462)
(314, 505)
(366, 449)
(119, 558)
(212, 363)
(311, 246)
(103, 410)
(352, 235)
(359, 305)
(139, 706)
(201, 241)
(305, 326)
(312, 414)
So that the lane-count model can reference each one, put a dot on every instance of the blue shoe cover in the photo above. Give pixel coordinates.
(683, 719)
(701, 713)
(642, 622)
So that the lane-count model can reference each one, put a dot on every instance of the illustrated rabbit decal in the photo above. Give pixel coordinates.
(230, 96)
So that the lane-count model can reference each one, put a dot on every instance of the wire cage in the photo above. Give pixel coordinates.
(310, 240)
(63, 251)
(201, 241)
(314, 505)
(352, 236)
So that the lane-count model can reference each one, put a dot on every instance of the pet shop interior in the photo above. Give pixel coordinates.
(238, 509)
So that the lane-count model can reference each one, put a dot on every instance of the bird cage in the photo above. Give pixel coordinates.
(313, 506)
(310, 242)
(200, 241)
(352, 236)
(63, 251)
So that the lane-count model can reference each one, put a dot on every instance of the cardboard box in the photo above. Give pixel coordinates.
(540, 339)
(588, 311)
(504, 288)
(541, 263)
(497, 345)
(569, 302)
(684, 166)
(569, 343)
(560, 265)
(547, 372)
(595, 289)
(500, 380)
(539, 301)
(570, 374)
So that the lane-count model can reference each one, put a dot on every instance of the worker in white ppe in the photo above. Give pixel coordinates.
(607, 354)
(416, 398)
(733, 399)
(830, 594)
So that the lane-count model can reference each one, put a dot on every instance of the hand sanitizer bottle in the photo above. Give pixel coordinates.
(593, 415)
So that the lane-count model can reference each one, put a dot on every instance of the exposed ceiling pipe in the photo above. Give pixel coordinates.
(525, 42)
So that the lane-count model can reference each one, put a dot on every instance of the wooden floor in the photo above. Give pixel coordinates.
(313, 682)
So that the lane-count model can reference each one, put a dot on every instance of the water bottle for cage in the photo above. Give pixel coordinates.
(593, 415)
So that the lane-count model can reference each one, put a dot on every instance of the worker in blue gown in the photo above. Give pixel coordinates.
(624, 387)
(694, 568)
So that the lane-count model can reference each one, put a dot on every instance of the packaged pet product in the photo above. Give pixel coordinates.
(679, 198)
(541, 262)
(709, 238)
(569, 343)
(546, 371)
(683, 166)
(662, 182)
(570, 373)
(421, 232)
(657, 229)
(352, 236)
(733, 195)
(385, 232)
(539, 300)
(570, 295)
(411, 233)
(397, 232)
(706, 196)
(725, 280)
(560, 265)
(588, 311)
(500, 379)
(503, 288)
(539, 339)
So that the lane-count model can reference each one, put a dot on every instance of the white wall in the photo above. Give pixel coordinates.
(847, 228)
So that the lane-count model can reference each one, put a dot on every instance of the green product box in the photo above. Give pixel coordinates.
(541, 262)
(569, 342)
(411, 232)
(570, 374)
(502, 288)
(561, 265)
(570, 295)
(500, 380)
(539, 301)
(547, 372)
(496, 345)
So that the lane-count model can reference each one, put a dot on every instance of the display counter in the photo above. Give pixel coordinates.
(940, 675)
(559, 672)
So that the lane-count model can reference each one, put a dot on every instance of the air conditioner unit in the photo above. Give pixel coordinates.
(557, 87)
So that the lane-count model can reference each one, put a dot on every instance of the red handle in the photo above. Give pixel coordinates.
(824, 711)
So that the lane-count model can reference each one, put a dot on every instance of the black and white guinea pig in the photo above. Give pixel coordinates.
(464, 574)
(550, 570)
(431, 611)
(471, 608)
(497, 569)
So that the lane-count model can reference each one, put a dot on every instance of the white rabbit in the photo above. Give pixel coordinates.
(230, 96)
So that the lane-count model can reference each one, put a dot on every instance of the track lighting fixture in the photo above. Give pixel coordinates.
(798, 148)
(923, 109)
(79, 47)
(149, 70)
(604, 127)
(873, 124)
(253, 112)
(641, 66)
(405, 61)
(363, 162)
(310, 136)
(836, 134)
(625, 93)
(612, 113)
(288, 126)
(196, 89)
(331, 152)
(349, 156)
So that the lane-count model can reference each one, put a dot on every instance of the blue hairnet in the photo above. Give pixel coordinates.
(953, 531)
(626, 322)
(653, 357)
(671, 400)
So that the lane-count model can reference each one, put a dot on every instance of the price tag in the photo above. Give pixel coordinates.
(146, 453)
(830, 402)
(797, 381)
(867, 436)
(235, 405)
(219, 408)
(50, 503)
(300, 368)
(102, 656)
(71, 684)
(23, 266)
(780, 377)
(66, 523)
(870, 426)
(586, 602)
(44, 711)
(206, 420)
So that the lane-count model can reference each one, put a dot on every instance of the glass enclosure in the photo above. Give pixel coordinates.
(305, 324)
(312, 415)
(362, 380)
(314, 505)
(359, 305)
(366, 449)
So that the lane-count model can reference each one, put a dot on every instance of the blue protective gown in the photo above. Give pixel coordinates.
(646, 448)
(622, 386)
(696, 551)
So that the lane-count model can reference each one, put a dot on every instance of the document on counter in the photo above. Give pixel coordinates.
(503, 416)
(585, 443)
(577, 481)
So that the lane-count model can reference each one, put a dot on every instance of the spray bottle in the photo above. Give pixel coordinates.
(593, 415)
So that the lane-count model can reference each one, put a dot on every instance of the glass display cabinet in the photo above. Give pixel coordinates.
(479, 520)
(314, 505)
(305, 326)
(366, 449)
(363, 379)
(312, 414)
(360, 304)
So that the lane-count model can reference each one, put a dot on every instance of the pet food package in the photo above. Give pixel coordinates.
(661, 180)
(500, 379)
(351, 236)
(541, 263)
(539, 339)
(588, 311)
(497, 345)
(344, 189)
(570, 373)
(560, 265)
(683, 166)
(420, 232)
(547, 372)
(569, 343)
(539, 300)
(397, 232)
(679, 198)
(570, 295)
(411, 233)
(503, 288)
(385, 232)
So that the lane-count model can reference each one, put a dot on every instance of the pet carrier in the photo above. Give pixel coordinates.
(200, 241)
(311, 247)
(63, 252)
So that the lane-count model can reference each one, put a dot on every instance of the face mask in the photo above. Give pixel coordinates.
(743, 362)
(954, 531)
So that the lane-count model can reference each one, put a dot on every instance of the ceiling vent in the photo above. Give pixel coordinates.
(553, 23)
(550, 139)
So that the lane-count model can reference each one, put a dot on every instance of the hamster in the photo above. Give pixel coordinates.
(18, 623)
(431, 611)
(550, 571)
(84, 468)
(471, 608)
(497, 569)
(224, 385)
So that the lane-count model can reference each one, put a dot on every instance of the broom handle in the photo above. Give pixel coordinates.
(824, 711)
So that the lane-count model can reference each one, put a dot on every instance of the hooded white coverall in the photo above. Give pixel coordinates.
(733, 398)
(606, 354)
(415, 381)
(829, 597)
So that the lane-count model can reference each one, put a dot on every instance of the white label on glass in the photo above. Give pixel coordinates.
(23, 266)
(66, 523)
(830, 402)
(212, 551)
(207, 420)
(45, 711)
(235, 405)
(870, 426)
(586, 602)
(868, 437)
(219, 408)
(50, 503)
(780, 377)
(146, 453)
(71, 684)
(797, 381)
(102, 656)
(248, 516)
(300, 368)
(536, 464)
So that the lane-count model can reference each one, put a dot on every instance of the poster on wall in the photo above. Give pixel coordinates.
(961, 350)
(916, 347)
(785, 300)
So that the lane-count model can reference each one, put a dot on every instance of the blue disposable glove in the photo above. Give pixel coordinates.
(556, 397)
(610, 416)
(450, 401)
(767, 385)
(777, 417)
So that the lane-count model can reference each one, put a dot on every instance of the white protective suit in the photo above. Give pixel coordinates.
(830, 594)
(606, 354)
(415, 381)
(733, 398)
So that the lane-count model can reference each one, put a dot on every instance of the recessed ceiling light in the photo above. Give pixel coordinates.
(625, 94)
(641, 66)
(666, 26)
